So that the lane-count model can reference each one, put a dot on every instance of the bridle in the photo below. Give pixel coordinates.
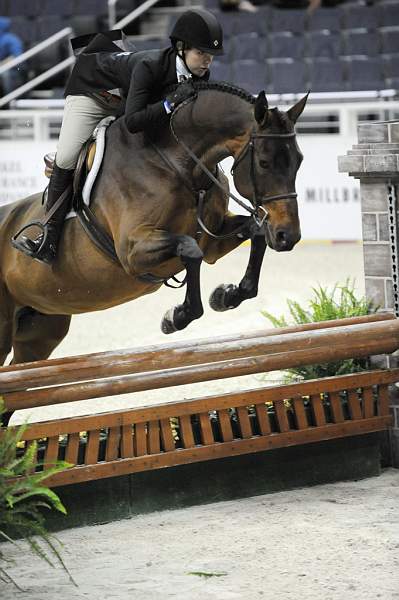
(250, 147)
(256, 202)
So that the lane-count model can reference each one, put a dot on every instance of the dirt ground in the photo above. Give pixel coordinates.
(327, 542)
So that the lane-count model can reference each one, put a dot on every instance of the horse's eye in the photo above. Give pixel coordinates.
(264, 164)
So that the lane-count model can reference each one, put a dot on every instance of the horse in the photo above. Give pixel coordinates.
(145, 198)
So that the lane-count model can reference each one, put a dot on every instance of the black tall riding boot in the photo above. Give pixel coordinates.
(44, 247)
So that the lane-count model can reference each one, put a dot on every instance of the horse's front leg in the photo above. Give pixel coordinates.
(156, 254)
(181, 315)
(227, 296)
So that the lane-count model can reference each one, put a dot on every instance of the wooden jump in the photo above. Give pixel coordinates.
(153, 437)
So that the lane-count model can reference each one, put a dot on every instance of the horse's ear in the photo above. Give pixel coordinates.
(261, 108)
(295, 111)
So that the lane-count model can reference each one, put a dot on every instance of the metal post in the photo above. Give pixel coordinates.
(393, 238)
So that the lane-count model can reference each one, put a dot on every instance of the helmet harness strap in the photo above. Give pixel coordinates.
(182, 53)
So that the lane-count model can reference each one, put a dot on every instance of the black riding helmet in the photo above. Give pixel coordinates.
(199, 29)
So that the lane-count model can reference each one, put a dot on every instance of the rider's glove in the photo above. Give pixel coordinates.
(182, 92)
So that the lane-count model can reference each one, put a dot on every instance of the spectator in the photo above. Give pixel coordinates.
(10, 46)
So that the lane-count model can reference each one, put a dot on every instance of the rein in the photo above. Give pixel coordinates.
(257, 205)
(202, 194)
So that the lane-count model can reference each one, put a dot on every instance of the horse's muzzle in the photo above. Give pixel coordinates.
(282, 239)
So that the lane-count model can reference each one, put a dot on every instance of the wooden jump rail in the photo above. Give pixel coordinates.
(128, 441)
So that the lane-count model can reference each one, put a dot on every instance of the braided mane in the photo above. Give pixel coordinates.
(228, 88)
(222, 86)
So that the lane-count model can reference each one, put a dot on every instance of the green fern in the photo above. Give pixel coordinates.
(24, 498)
(325, 305)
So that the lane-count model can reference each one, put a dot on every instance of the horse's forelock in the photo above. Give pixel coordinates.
(281, 121)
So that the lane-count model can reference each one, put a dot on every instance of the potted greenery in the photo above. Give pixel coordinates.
(23, 499)
(338, 303)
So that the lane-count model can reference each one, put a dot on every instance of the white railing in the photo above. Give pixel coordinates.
(53, 39)
(30, 125)
(56, 37)
(26, 87)
(134, 14)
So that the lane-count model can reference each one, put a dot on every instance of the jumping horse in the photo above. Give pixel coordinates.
(150, 198)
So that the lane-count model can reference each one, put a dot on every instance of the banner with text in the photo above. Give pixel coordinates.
(22, 169)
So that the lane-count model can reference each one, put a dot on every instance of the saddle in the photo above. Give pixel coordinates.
(49, 159)
(88, 166)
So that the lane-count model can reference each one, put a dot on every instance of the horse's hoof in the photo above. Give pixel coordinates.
(168, 324)
(217, 300)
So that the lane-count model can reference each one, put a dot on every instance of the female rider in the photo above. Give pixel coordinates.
(104, 77)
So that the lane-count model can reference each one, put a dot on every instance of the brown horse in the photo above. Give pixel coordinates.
(148, 206)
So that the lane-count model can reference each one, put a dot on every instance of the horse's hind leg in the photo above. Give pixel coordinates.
(5, 338)
(5, 349)
(36, 335)
(6, 329)
(6, 322)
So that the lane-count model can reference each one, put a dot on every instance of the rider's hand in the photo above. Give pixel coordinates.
(182, 92)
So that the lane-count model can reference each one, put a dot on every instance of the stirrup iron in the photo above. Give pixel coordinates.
(23, 244)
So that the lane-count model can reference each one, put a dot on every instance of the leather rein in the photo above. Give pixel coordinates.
(256, 202)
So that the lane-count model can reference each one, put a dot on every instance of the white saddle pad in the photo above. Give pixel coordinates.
(99, 136)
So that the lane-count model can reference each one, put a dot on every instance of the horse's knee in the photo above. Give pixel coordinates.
(149, 253)
(188, 250)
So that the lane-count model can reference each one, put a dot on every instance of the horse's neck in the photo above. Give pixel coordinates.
(210, 125)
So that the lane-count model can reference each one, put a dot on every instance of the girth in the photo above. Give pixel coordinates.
(100, 238)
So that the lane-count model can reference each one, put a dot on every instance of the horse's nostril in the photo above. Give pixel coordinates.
(281, 237)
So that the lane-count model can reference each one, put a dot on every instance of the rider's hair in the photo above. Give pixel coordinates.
(180, 46)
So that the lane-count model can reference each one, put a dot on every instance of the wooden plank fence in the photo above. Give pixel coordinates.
(169, 434)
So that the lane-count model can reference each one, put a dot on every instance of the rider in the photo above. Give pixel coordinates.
(108, 79)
